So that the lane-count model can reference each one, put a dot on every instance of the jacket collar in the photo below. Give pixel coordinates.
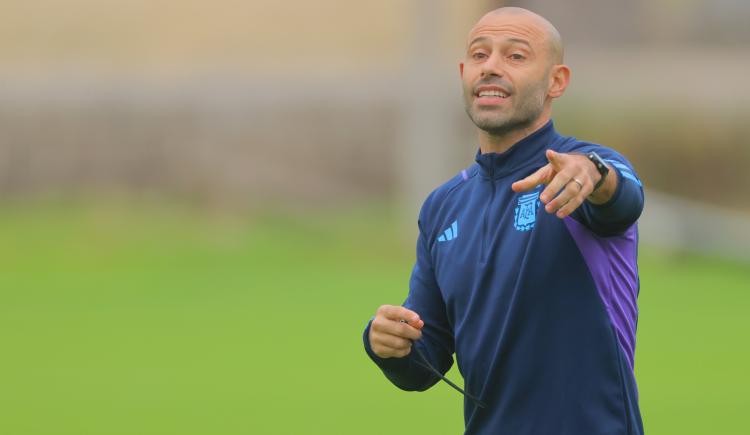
(522, 153)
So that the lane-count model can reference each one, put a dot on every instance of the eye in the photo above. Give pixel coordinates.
(478, 55)
(517, 56)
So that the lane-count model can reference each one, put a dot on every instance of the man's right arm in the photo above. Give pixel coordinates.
(388, 341)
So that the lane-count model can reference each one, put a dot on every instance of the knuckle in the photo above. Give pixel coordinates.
(546, 194)
(391, 341)
(375, 338)
(377, 323)
(406, 341)
(383, 341)
(402, 343)
(404, 330)
(378, 350)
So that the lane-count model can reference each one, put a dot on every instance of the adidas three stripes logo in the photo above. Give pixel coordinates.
(450, 233)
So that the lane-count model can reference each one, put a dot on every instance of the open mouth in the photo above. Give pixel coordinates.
(498, 94)
(491, 95)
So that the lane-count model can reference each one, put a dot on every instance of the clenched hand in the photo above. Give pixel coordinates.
(389, 336)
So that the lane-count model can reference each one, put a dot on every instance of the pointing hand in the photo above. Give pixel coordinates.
(570, 180)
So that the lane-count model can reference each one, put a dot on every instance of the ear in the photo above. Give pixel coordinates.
(461, 69)
(559, 78)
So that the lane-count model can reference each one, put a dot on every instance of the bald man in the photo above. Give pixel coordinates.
(526, 260)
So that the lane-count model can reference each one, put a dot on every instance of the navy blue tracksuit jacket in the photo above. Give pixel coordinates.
(540, 312)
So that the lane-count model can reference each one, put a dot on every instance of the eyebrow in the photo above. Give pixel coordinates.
(520, 41)
(512, 40)
(478, 39)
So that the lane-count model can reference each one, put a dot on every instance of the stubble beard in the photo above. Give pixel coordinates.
(511, 119)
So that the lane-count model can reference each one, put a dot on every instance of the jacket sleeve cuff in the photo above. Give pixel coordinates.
(617, 214)
(615, 196)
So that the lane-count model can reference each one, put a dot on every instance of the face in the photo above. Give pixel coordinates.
(506, 72)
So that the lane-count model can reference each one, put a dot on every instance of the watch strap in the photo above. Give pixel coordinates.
(601, 167)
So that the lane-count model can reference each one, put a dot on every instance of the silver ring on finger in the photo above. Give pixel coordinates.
(575, 180)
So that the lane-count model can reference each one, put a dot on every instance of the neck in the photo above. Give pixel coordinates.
(499, 143)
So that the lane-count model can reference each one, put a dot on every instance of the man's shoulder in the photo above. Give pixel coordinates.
(446, 190)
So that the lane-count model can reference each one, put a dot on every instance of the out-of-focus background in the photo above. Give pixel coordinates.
(202, 204)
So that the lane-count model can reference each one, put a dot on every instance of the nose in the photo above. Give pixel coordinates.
(493, 66)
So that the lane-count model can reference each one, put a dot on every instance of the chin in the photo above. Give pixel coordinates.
(491, 124)
(497, 127)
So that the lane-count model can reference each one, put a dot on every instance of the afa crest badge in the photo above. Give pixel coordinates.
(525, 213)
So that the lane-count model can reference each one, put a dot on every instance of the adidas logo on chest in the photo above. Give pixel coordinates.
(449, 233)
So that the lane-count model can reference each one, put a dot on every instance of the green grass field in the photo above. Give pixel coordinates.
(144, 319)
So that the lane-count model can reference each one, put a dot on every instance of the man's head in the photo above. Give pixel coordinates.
(512, 70)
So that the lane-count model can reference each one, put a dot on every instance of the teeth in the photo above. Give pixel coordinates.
(493, 94)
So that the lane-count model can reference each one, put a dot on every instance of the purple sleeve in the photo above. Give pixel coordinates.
(624, 208)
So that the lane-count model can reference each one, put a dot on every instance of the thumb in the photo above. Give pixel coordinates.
(419, 324)
(398, 313)
(411, 318)
(416, 324)
(556, 159)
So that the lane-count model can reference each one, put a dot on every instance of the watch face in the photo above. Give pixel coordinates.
(600, 165)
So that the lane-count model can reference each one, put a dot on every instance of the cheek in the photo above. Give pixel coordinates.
(535, 87)
(467, 86)
(470, 74)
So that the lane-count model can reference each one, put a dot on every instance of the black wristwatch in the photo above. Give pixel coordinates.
(600, 166)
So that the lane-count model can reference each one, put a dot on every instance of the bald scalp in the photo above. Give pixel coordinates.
(553, 39)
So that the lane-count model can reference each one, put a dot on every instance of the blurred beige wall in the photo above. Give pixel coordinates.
(226, 99)
(217, 100)
(171, 37)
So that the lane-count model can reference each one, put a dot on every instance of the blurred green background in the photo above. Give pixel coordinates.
(203, 203)
(147, 319)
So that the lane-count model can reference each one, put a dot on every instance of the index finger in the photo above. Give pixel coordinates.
(541, 176)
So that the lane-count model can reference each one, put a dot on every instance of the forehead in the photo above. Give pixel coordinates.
(503, 26)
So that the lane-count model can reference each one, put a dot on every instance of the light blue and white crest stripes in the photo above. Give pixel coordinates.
(624, 170)
(450, 233)
(524, 215)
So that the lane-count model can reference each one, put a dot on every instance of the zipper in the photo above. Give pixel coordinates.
(485, 236)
